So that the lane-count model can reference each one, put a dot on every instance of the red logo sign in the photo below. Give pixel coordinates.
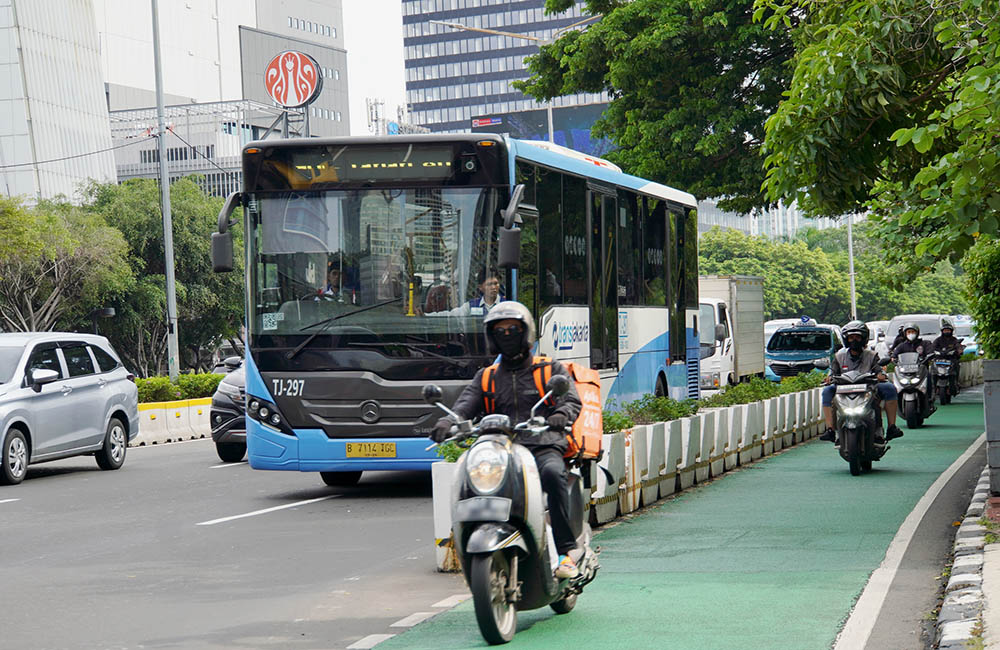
(292, 79)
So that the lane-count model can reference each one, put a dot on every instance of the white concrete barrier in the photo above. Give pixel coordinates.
(801, 419)
(442, 479)
(635, 464)
(696, 454)
(733, 436)
(199, 416)
(691, 442)
(771, 427)
(682, 478)
(605, 503)
(152, 424)
(752, 434)
(791, 411)
(720, 434)
(708, 452)
(655, 463)
(177, 420)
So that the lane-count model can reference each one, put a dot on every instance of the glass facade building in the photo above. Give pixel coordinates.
(54, 131)
(454, 75)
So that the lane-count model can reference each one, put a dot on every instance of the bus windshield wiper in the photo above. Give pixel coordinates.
(323, 324)
(408, 346)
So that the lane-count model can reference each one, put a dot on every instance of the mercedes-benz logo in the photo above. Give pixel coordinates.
(371, 412)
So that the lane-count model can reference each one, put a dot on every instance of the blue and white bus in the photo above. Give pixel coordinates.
(371, 262)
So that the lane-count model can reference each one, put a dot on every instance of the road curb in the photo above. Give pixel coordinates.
(958, 622)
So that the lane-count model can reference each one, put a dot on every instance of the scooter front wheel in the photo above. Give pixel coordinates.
(495, 615)
(564, 606)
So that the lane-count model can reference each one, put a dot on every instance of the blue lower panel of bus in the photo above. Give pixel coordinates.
(310, 450)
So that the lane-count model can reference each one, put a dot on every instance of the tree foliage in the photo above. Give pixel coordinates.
(895, 106)
(691, 83)
(982, 263)
(209, 305)
(60, 262)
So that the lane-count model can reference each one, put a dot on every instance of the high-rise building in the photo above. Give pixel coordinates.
(54, 130)
(454, 75)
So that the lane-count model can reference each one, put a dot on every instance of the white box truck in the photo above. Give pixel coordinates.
(730, 328)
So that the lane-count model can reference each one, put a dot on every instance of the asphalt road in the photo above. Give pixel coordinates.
(92, 559)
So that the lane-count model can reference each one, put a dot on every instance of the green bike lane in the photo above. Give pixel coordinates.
(772, 555)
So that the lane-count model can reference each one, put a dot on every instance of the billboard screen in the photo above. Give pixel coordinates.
(570, 125)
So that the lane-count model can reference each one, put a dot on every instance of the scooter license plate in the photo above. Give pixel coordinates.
(482, 509)
(852, 388)
(370, 450)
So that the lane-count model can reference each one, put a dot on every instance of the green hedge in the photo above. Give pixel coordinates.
(649, 409)
(191, 386)
(969, 356)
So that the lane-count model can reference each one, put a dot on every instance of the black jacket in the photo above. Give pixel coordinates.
(843, 362)
(515, 394)
(920, 346)
(948, 346)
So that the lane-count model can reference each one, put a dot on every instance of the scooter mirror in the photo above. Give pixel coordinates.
(821, 364)
(432, 394)
(558, 384)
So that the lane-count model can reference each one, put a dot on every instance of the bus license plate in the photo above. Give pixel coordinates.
(371, 450)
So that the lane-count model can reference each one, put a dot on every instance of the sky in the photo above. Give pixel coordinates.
(373, 36)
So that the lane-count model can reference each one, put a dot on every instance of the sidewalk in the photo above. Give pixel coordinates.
(991, 580)
(771, 556)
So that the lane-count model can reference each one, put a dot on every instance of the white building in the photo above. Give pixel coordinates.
(780, 222)
(54, 131)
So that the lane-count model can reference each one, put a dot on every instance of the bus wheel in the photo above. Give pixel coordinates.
(661, 389)
(341, 479)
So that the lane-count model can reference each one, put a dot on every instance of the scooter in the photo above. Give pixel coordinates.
(858, 415)
(947, 380)
(916, 389)
(500, 523)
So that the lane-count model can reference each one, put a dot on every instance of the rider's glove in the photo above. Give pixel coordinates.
(557, 421)
(442, 430)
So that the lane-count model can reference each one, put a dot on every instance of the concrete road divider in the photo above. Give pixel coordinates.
(718, 459)
(674, 452)
(161, 422)
(605, 506)
(733, 436)
(178, 422)
(770, 426)
(655, 462)
(635, 461)
(199, 417)
(152, 424)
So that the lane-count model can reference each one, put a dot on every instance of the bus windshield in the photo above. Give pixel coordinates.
(403, 274)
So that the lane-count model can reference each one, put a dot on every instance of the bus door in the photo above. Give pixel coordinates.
(602, 264)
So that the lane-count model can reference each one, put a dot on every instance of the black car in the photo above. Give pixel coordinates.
(229, 429)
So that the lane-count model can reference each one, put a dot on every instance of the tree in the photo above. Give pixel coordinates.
(797, 280)
(691, 83)
(209, 305)
(895, 106)
(61, 262)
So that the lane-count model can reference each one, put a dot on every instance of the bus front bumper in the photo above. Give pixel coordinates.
(310, 450)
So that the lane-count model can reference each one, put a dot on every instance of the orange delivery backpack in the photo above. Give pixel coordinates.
(585, 437)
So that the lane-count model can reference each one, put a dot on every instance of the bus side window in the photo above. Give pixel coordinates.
(629, 248)
(550, 233)
(527, 274)
(654, 244)
(575, 240)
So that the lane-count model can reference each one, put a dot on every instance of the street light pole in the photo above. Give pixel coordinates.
(173, 351)
(536, 39)
(850, 265)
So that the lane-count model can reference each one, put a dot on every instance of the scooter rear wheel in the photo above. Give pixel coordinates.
(495, 615)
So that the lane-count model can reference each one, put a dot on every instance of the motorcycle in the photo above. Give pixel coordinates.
(916, 388)
(947, 378)
(858, 416)
(500, 523)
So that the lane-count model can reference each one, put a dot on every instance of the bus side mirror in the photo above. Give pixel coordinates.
(509, 254)
(222, 241)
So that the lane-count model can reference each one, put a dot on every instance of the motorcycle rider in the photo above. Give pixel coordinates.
(900, 337)
(510, 330)
(913, 343)
(856, 357)
(949, 347)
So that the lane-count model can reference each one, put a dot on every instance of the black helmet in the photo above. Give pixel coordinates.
(855, 327)
(947, 324)
(503, 311)
(911, 326)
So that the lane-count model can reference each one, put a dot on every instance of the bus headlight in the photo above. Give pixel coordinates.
(486, 466)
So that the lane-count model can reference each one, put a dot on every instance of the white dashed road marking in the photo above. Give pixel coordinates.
(266, 510)
(242, 462)
(369, 641)
(451, 601)
(8, 500)
(413, 619)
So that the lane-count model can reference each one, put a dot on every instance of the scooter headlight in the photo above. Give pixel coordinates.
(486, 466)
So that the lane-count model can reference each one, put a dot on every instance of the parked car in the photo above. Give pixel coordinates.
(229, 428)
(63, 394)
(793, 350)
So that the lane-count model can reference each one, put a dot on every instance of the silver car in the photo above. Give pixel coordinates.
(63, 394)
